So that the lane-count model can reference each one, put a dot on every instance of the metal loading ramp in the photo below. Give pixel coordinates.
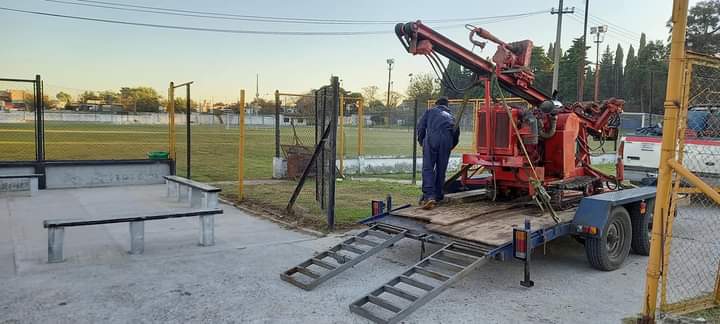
(405, 293)
(316, 270)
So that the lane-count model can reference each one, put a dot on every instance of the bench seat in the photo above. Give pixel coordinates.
(56, 229)
(200, 195)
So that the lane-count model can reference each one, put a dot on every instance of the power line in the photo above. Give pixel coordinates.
(236, 31)
(218, 15)
(618, 28)
(614, 34)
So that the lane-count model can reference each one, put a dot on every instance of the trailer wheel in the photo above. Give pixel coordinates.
(608, 252)
(642, 229)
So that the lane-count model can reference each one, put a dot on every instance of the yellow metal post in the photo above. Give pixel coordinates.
(341, 147)
(171, 120)
(241, 146)
(672, 104)
(360, 126)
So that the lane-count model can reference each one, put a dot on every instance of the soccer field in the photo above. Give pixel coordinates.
(214, 148)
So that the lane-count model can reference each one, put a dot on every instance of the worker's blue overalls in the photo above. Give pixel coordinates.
(438, 136)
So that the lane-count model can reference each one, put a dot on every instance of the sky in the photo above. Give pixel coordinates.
(74, 55)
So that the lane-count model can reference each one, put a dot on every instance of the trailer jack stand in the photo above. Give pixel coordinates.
(526, 282)
(522, 250)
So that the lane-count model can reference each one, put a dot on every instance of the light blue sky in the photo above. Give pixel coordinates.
(74, 55)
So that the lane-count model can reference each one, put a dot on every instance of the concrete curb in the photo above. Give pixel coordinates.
(272, 216)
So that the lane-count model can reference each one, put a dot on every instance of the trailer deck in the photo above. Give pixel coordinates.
(484, 222)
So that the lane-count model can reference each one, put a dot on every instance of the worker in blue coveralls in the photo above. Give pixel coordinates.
(437, 134)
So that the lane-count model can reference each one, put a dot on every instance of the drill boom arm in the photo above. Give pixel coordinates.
(421, 39)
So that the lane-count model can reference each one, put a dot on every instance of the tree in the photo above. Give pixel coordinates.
(542, 65)
(267, 107)
(550, 52)
(643, 42)
(455, 77)
(703, 27)
(63, 97)
(567, 79)
(607, 75)
(108, 96)
(618, 72)
(395, 98)
(144, 99)
(369, 93)
(422, 87)
(88, 95)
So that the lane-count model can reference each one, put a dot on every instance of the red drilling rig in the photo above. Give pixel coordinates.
(542, 149)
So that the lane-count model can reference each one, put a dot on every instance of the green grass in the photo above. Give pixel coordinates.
(214, 154)
(352, 200)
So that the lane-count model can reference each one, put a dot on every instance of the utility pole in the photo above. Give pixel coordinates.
(598, 31)
(390, 63)
(581, 65)
(257, 86)
(556, 60)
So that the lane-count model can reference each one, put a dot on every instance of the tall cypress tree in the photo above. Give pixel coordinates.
(618, 72)
(567, 80)
(607, 77)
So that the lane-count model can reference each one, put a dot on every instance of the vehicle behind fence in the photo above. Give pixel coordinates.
(689, 252)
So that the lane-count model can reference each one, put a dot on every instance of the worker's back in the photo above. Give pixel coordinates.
(439, 126)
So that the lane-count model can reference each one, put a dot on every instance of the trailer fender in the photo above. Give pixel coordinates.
(592, 214)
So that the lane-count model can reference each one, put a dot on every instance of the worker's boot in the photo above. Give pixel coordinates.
(429, 204)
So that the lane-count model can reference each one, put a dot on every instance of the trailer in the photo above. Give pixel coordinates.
(539, 186)
(610, 225)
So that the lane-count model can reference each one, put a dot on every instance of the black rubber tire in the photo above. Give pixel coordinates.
(609, 251)
(642, 229)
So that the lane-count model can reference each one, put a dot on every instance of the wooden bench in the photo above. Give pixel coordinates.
(56, 229)
(199, 195)
(19, 182)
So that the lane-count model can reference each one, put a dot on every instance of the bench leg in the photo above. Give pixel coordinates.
(55, 244)
(196, 198)
(207, 230)
(211, 200)
(171, 189)
(183, 192)
(137, 237)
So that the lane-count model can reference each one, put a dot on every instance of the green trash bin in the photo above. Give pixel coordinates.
(158, 155)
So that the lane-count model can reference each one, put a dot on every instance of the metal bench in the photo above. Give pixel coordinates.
(19, 182)
(56, 229)
(199, 195)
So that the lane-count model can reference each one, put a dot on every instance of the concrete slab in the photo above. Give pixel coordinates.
(237, 280)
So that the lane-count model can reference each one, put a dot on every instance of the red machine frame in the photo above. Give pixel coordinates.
(510, 144)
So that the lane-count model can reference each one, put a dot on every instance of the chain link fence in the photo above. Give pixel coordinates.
(691, 279)
(17, 120)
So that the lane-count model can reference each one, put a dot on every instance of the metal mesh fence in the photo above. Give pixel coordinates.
(692, 246)
(17, 121)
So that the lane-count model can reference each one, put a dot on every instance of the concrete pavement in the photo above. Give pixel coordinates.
(237, 280)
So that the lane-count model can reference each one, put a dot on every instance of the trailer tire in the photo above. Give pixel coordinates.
(642, 229)
(608, 252)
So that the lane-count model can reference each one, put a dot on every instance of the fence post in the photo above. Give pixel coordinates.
(333, 153)
(341, 156)
(360, 126)
(673, 99)
(188, 150)
(171, 120)
(241, 146)
(277, 164)
(414, 140)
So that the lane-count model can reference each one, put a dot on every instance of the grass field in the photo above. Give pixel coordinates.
(214, 148)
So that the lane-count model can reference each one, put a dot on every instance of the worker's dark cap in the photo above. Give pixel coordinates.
(442, 101)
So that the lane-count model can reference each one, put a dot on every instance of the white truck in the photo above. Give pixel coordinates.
(641, 152)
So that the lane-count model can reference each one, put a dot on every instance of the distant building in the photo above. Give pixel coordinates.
(17, 96)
